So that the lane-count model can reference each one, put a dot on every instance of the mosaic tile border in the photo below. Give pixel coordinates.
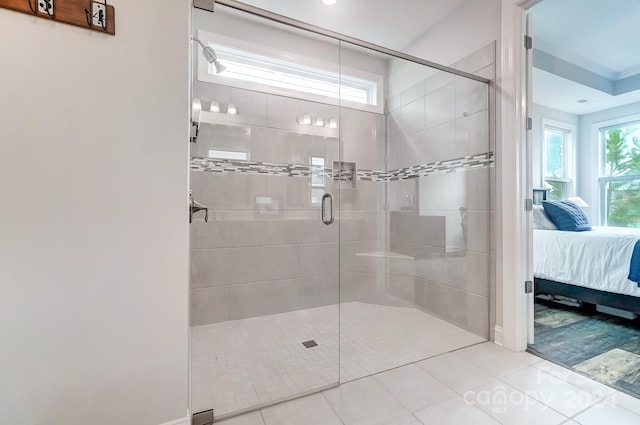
(214, 165)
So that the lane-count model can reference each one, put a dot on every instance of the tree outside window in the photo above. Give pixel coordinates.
(620, 184)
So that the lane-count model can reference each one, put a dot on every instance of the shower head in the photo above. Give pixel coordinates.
(210, 55)
(219, 67)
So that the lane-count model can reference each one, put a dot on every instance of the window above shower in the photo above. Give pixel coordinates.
(271, 70)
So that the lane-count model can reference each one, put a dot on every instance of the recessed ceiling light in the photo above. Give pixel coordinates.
(329, 2)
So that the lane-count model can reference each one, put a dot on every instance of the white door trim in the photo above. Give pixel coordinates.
(510, 182)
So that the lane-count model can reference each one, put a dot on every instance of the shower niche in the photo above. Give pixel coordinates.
(285, 303)
(346, 173)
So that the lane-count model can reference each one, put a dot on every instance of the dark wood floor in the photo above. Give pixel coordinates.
(604, 347)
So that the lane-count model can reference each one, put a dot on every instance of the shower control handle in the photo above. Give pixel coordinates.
(195, 206)
(324, 204)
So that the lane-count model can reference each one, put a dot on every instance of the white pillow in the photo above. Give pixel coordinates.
(541, 219)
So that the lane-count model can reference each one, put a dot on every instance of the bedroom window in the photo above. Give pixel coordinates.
(620, 175)
(557, 160)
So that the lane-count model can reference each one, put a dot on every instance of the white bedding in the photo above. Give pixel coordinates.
(598, 259)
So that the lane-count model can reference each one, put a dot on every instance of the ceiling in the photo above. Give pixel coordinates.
(595, 43)
(595, 40)
(390, 24)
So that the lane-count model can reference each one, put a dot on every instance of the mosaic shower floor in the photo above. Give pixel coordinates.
(244, 364)
(603, 347)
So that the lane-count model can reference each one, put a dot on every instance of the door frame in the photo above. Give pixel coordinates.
(512, 163)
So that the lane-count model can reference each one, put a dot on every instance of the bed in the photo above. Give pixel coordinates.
(592, 266)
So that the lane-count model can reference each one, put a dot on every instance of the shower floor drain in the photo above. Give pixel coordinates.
(310, 343)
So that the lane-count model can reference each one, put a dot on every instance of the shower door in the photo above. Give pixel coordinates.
(349, 210)
(415, 252)
(264, 266)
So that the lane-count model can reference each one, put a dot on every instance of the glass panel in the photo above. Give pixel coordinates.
(622, 150)
(415, 217)
(622, 203)
(264, 269)
(554, 153)
(557, 190)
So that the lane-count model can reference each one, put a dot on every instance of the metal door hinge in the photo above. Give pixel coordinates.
(205, 5)
(528, 42)
(203, 418)
(529, 123)
(528, 287)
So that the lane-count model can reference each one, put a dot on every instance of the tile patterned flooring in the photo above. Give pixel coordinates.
(601, 346)
(244, 364)
(479, 385)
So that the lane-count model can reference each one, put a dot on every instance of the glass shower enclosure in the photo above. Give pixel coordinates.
(348, 202)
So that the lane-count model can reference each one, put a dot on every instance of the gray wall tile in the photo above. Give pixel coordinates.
(470, 97)
(214, 234)
(279, 262)
(281, 296)
(362, 125)
(477, 60)
(472, 134)
(289, 193)
(318, 291)
(438, 80)
(367, 196)
(318, 259)
(209, 305)
(439, 142)
(244, 229)
(466, 310)
(284, 112)
(209, 267)
(413, 93)
(408, 288)
(245, 191)
(466, 271)
(247, 300)
(413, 116)
(244, 265)
(412, 228)
(283, 258)
(441, 106)
(211, 189)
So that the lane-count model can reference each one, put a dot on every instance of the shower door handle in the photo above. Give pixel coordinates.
(324, 204)
(195, 206)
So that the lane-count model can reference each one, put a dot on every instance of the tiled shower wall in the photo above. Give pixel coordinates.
(265, 249)
(443, 221)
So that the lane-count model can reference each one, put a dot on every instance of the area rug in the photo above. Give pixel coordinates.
(603, 347)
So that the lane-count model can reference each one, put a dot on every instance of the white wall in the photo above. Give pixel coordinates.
(93, 223)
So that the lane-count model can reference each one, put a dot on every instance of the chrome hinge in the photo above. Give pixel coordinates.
(528, 204)
(528, 287)
(529, 123)
(203, 418)
(528, 42)
(205, 5)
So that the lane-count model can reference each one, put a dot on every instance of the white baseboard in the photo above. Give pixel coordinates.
(182, 421)
(498, 336)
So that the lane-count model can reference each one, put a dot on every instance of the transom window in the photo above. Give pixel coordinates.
(254, 68)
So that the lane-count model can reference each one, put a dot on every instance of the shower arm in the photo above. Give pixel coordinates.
(198, 41)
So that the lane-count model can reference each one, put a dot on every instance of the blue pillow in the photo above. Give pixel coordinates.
(566, 215)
